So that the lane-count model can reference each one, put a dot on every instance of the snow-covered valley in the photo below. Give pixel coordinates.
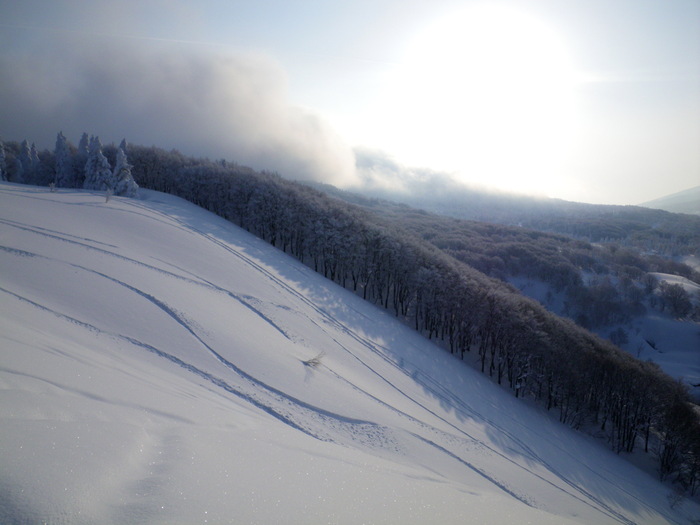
(157, 365)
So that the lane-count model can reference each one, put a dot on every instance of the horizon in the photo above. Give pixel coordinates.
(587, 102)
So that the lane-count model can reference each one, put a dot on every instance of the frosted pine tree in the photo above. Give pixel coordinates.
(34, 158)
(125, 184)
(23, 163)
(84, 145)
(98, 174)
(65, 171)
(80, 160)
(29, 158)
(19, 171)
(3, 164)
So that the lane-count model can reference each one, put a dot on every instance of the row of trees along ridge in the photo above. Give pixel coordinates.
(69, 167)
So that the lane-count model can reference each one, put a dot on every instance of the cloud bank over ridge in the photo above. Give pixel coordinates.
(204, 103)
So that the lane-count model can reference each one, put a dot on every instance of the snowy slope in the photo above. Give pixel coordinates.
(152, 371)
(687, 201)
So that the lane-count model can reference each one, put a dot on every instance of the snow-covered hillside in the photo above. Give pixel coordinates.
(687, 201)
(673, 344)
(152, 370)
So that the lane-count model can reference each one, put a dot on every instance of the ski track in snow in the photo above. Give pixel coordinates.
(440, 393)
(284, 407)
(429, 385)
(364, 432)
(91, 395)
(63, 238)
(326, 425)
(175, 316)
(425, 381)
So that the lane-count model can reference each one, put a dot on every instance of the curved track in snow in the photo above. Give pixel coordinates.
(166, 279)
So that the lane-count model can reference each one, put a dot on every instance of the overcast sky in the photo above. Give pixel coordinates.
(587, 100)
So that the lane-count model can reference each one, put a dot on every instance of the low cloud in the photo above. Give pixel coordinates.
(379, 173)
(203, 103)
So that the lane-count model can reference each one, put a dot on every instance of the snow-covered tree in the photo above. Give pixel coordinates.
(27, 164)
(98, 174)
(80, 160)
(34, 158)
(65, 171)
(3, 165)
(124, 181)
(676, 299)
(19, 171)
(23, 163)
(84, 145)
(123, 145)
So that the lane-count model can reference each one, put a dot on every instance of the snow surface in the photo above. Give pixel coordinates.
(693, 261)
(152, 371)
(691, 288)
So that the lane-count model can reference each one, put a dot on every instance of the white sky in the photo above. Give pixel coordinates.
(588, 100)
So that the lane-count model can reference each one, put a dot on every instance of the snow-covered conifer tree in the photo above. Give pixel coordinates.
(123, 145)
(98, 174)
(34, 158)
(125, 184)
(30, 163)
(84, 145)
(80, 160)
(65, 171)
(23, 163)
(3, 165)
(19, 171)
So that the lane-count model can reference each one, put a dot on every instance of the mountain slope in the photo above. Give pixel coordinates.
(152, 369)
(650, 230)
(687, 201)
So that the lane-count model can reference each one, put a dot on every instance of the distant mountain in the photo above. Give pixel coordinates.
(651, 230)
(687, 201)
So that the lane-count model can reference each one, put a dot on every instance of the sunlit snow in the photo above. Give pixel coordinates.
(152, 371)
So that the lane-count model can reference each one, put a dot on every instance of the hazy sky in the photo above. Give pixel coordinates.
(588, 100)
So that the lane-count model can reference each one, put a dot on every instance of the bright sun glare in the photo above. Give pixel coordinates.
(487, 92)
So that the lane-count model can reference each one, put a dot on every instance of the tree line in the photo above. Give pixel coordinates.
(84, 166)
(587, 381)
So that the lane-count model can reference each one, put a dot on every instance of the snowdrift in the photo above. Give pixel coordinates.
(157, 366)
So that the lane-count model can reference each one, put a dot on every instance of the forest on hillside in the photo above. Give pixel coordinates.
(587, 381)
(635, 227)
(604, 283)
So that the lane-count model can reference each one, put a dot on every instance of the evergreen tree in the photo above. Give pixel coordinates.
(124, 181)
(65, 171)
(80, 160)
(29, 157)
(84, 145)
(33, 158)
(3, 166)
(98, 174)
(19, 171)
(23, 163)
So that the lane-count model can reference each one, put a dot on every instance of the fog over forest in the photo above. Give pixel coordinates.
(232, 106)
